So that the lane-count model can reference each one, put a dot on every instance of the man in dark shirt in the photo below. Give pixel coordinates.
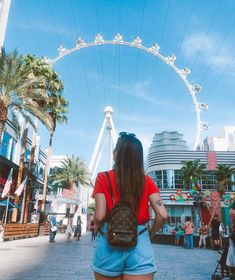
(215, 232)
(232, 215)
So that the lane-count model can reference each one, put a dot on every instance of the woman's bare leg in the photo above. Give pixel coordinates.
(137, 277)
(102, 277)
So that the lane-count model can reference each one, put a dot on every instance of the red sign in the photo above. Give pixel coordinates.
(215, 204)
(211, 160)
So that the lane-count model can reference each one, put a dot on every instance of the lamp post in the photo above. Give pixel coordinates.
(26, 167)
(29, 169)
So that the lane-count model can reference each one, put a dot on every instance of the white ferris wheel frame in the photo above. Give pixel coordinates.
(154, 50)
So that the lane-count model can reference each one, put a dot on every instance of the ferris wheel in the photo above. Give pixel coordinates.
(192, 89)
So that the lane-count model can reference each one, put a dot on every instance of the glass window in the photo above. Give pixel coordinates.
(5, 144)
(12, 149)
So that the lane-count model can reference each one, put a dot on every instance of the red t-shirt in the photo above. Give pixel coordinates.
(102, 186)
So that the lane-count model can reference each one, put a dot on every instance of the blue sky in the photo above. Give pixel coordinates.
(146, 95)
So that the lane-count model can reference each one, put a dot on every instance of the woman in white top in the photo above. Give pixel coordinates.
(69, 230)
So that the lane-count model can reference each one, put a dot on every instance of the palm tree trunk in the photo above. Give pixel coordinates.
(29, 186)
(3, 118)
(21, 168)
(213, 214)
(46, 173)
(2, 124)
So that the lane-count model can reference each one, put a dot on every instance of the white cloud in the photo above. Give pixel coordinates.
(211, 51)
(39, 26)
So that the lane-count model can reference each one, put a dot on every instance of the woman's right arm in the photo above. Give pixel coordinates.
(160, 213)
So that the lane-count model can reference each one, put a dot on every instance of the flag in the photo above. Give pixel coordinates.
(54, 204)
(7, 186)
(21, 187)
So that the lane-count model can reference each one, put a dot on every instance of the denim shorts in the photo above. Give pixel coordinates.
(111, 261)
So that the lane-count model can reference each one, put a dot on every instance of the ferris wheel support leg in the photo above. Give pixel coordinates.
(113, 132)
(110, 149)
(97, 145)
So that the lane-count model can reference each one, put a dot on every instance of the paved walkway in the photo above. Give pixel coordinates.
(35, 258)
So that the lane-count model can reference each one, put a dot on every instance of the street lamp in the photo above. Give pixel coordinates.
(29, 168)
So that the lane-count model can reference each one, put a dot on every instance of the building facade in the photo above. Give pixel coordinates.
(10, 149)
(222, 143)
(166, 154)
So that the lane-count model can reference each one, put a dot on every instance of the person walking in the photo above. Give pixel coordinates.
(188, 228)
(1, 231)
(215, 225)
(203, 233)
(126, 182)
(78, 228)
(92, 228)
(69, 230)
(53, 228)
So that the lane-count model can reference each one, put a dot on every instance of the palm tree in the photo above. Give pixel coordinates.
(223, 175)
(73, 169)
(19, 87)
(52, 85)
(36, 105)
(57, 108)
(191, 173)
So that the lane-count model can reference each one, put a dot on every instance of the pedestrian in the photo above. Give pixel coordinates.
(230, 262)
(126, 182)
(92, 229)
(78, 228)
(215, 225)
(1, 231)
(53, 228)
(203, 233)
(232, 216)
(178, 233)
(69, 230)
(188, 228)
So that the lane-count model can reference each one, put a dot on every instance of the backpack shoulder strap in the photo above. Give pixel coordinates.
(110, 186)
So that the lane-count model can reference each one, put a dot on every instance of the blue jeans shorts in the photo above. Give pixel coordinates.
(111, 261)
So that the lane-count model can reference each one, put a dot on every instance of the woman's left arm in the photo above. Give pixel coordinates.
(100, 209)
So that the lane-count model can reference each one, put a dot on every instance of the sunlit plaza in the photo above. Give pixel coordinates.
(77, 75)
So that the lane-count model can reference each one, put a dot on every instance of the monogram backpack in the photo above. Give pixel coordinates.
(122, 224)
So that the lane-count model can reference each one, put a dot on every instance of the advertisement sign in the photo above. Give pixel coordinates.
(211, 160)
(215, 203)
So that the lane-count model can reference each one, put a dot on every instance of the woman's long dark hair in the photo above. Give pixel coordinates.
(129, 169)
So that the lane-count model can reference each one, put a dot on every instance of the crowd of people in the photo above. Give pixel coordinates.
(209, 235)
(73, 229)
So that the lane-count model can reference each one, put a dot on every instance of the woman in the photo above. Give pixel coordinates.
(203, 233)
(188, 228)
(78, 229)
(92, 228)
(215, 225)
(69, 230)
(127, 178)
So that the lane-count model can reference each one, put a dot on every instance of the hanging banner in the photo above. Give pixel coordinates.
(215, 203)
(211, 160)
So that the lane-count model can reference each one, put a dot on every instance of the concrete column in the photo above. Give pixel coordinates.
(4, 11)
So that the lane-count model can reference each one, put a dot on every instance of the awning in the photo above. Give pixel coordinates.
(11, 204)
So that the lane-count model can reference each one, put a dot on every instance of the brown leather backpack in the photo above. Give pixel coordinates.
(122, 224)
